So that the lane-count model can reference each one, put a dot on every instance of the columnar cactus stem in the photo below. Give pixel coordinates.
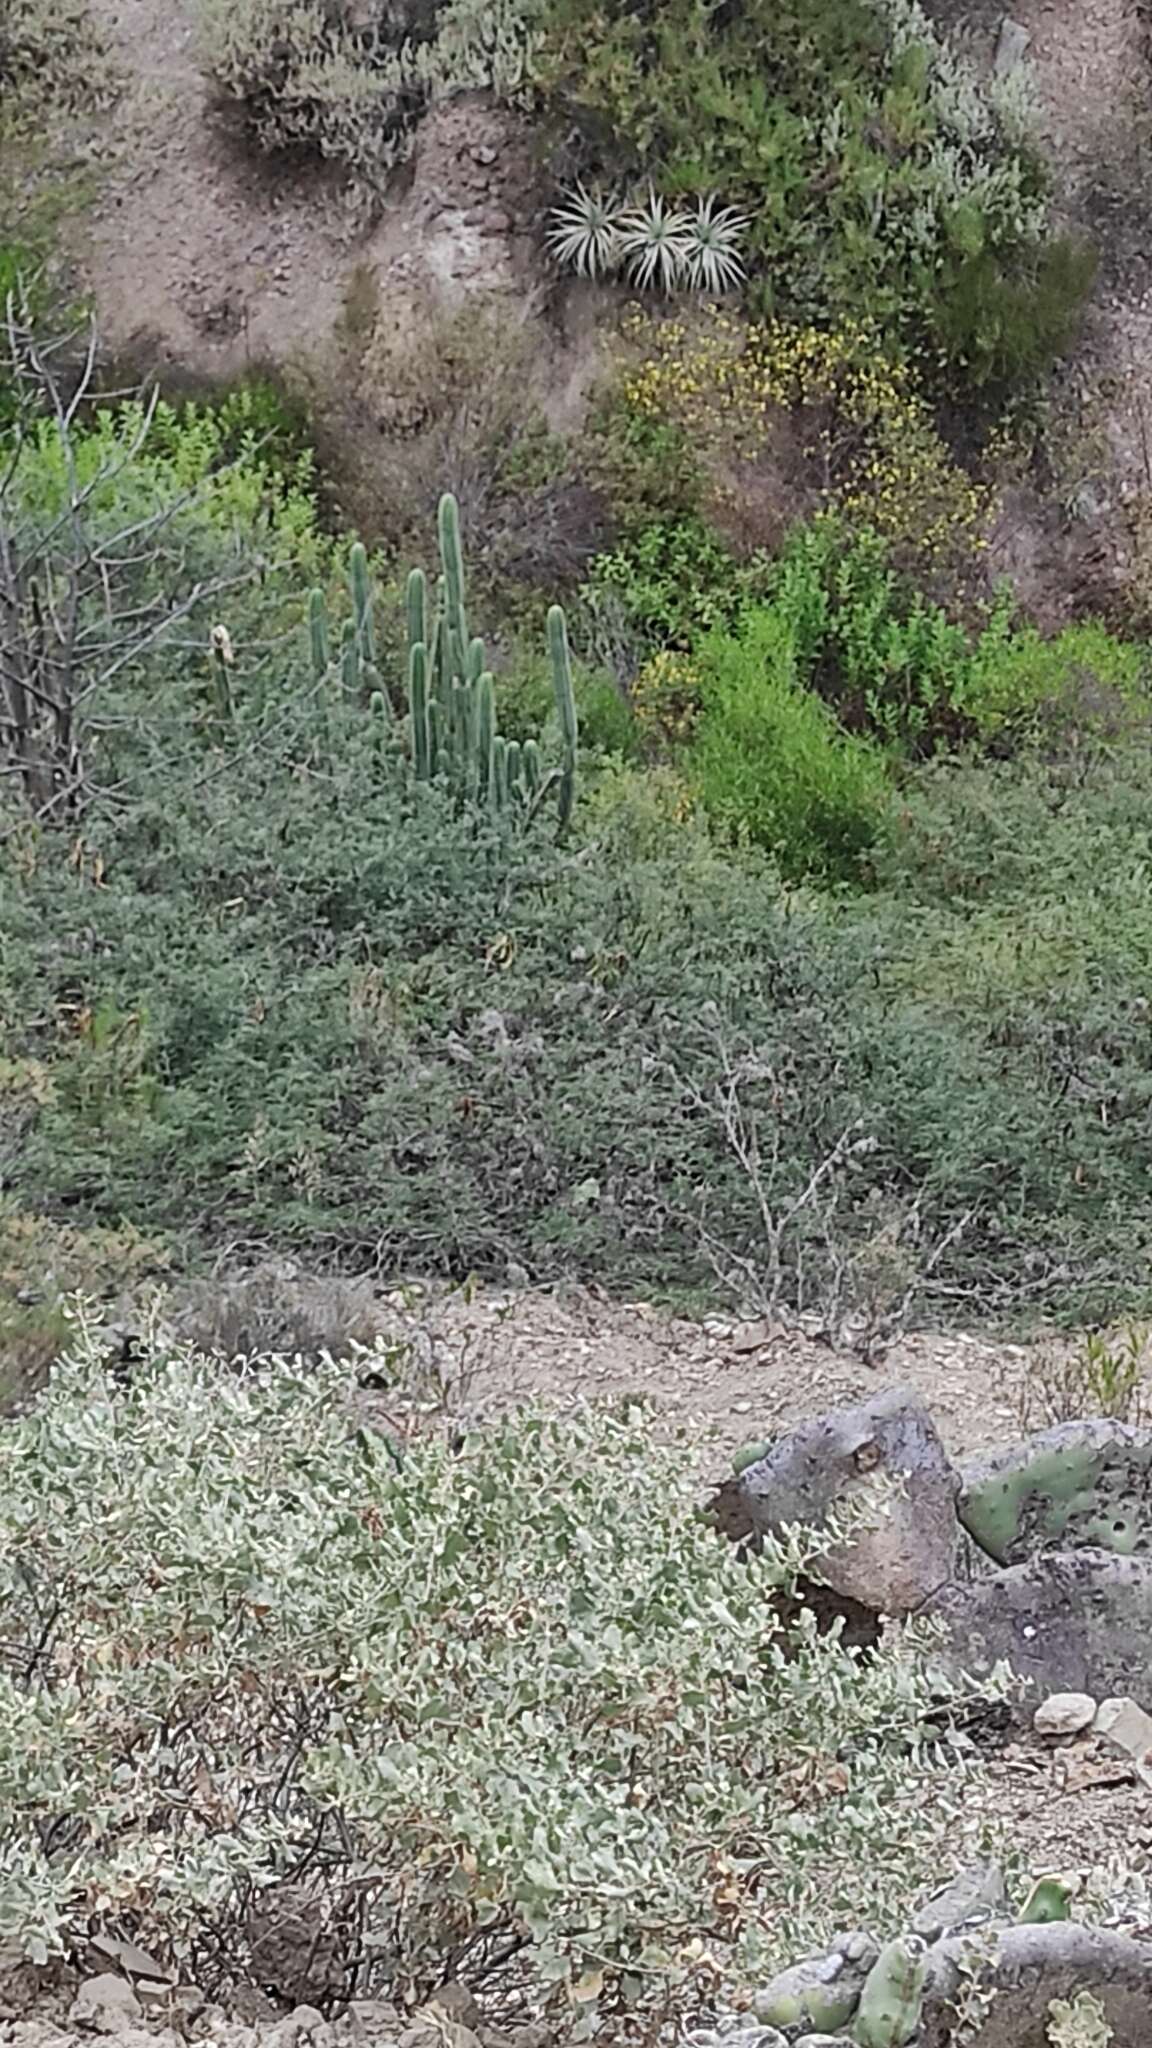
(452, 730)
(566, 706)
(318, 635)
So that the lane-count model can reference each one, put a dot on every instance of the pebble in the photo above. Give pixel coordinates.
(105, 2005)
(1064, 1713)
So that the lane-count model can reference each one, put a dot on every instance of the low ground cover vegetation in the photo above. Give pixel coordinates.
(844, 951)
(462, 1709)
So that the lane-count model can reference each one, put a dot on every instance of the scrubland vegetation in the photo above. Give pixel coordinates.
(728, 893)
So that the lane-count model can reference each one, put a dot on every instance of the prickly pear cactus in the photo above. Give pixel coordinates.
(893, 1995)
(1082, 1485)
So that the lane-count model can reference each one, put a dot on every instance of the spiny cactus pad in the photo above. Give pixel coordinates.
(1081, 1485)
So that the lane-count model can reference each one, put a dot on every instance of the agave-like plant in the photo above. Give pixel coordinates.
(712, 259)
(654, 244)
(585, 234)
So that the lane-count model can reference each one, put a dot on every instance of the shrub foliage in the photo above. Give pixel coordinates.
(509, 1701)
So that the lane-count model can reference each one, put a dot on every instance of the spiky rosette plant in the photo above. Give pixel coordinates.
(585, 235)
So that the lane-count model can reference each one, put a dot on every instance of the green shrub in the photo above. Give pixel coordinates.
(769, 760)
(1005, 314)
(896, 665)
(528, 707)
(380, 1032)
(1018, 686)
(881, 178)
(229, 1558)
(676, 579)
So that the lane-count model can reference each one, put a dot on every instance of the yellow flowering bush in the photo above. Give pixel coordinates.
(847, 425)
(666, 696)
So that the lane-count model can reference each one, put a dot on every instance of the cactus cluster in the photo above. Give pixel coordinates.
(867, 1996)
(448, 724)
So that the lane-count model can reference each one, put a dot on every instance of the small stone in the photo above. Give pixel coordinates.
(751, 1337)
(1011, 44)
(1127, 1728)
(1064, 1713)
(977, 1893)
(105, 2005)
(297, 2026)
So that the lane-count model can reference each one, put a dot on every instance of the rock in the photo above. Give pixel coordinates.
(372, 2023)
(977, 1895)
(299, 2025)
(1031, 1966)
(430, 2029)
(138, 1963)
(456, 2002)
(822, 1991)
(751, 1337)
(905, 1549)
(1081, 1485)
(1064, 1713)
(1126, 1727)
(105, 2005)
(1011, 44)
(1075, 1622)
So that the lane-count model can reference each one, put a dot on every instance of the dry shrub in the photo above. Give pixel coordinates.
(51, 55)
(277, 1309)
(348, 82)
(1101, 1377)
(42, 1264)
(449, 401)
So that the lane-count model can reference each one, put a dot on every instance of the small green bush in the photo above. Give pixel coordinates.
(528, 707)
(770, 761)
(1004, 315)
(676, 579)
(515, 1688)
(894, 664)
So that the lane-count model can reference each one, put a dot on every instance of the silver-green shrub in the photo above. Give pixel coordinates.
(513, 1685)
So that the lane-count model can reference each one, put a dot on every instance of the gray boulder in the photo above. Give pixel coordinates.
(976, 1895)
(821, 1991)
(1027, 1969)
(884, 1463)
(1075, 1621)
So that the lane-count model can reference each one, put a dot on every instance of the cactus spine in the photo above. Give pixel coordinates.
(452, 732)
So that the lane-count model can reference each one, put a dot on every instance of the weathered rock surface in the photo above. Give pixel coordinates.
(105, 2005)
(1081, 1485)
(977, 1894)
(1064, 1713)
(1079, 1621)
(1030, 1967)
(884, 1463)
